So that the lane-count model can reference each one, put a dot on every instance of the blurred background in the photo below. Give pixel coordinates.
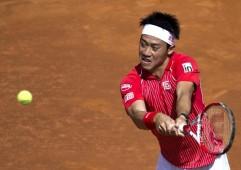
(72, 55)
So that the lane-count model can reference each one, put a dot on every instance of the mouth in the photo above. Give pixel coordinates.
(145, 60)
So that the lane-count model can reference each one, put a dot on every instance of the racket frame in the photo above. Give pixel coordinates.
(198, 121)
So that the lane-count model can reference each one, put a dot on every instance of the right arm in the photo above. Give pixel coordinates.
(164, 124)
(137, 112)
(135, 107)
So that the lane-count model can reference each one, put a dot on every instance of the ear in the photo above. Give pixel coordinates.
(170, 50)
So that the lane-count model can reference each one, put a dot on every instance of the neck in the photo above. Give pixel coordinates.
(158, 72)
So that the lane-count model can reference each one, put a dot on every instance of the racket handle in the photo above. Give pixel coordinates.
(186, 128)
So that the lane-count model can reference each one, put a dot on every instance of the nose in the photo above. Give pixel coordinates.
(146, 51)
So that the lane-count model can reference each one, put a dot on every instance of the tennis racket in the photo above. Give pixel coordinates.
(213, 129)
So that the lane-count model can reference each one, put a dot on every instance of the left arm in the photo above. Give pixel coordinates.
(184, 92)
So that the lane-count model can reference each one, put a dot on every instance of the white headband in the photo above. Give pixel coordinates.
(158, 32)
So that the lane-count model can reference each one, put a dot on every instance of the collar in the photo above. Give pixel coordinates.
(147, 75)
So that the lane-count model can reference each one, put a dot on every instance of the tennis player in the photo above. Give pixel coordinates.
(163, 91)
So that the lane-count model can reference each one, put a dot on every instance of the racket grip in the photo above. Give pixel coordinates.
(185, 128)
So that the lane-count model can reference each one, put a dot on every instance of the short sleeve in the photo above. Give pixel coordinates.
(130, 89)
(186, 69)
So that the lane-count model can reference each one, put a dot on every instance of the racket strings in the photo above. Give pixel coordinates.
(216, 131)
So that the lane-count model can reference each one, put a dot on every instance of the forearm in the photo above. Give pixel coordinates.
(184, 97)
(183, 105)
(141, 117)
(149, 120)
(137, 111)
(137, 118)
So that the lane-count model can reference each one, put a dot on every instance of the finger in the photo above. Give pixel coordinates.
(171, 127)
(174, 131)
(180, 133)
(161, 129)
(180, 121)
(180, 127)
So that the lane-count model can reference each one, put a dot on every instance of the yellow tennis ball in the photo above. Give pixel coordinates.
(24, 97)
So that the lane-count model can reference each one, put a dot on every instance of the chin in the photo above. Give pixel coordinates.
(147, 67)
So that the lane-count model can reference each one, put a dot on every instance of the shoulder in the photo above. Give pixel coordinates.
(130, 87)
(184, 61)
(180, 57)
(184, 68)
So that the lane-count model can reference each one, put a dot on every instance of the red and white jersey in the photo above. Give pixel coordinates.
(159, 95)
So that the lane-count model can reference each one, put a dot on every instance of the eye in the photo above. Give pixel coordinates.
(143, 44)
(155, 48)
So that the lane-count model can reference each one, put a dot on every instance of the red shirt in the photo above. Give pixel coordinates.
(159, 95)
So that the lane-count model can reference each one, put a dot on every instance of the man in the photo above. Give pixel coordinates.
(163, 91)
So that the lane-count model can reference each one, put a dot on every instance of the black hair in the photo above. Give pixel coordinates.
(166, 21)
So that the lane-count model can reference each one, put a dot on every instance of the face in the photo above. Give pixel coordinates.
(153, 52)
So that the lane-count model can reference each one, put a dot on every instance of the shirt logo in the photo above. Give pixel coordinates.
(187, 67)
(125, 87)
(166, 85)
(128, 96)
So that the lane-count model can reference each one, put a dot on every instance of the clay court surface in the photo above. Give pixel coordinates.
(72, 55)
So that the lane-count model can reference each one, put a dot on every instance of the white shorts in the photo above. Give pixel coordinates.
(220, 163)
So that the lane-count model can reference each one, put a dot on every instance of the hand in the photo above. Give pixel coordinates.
(165, 125)
(180, 122)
